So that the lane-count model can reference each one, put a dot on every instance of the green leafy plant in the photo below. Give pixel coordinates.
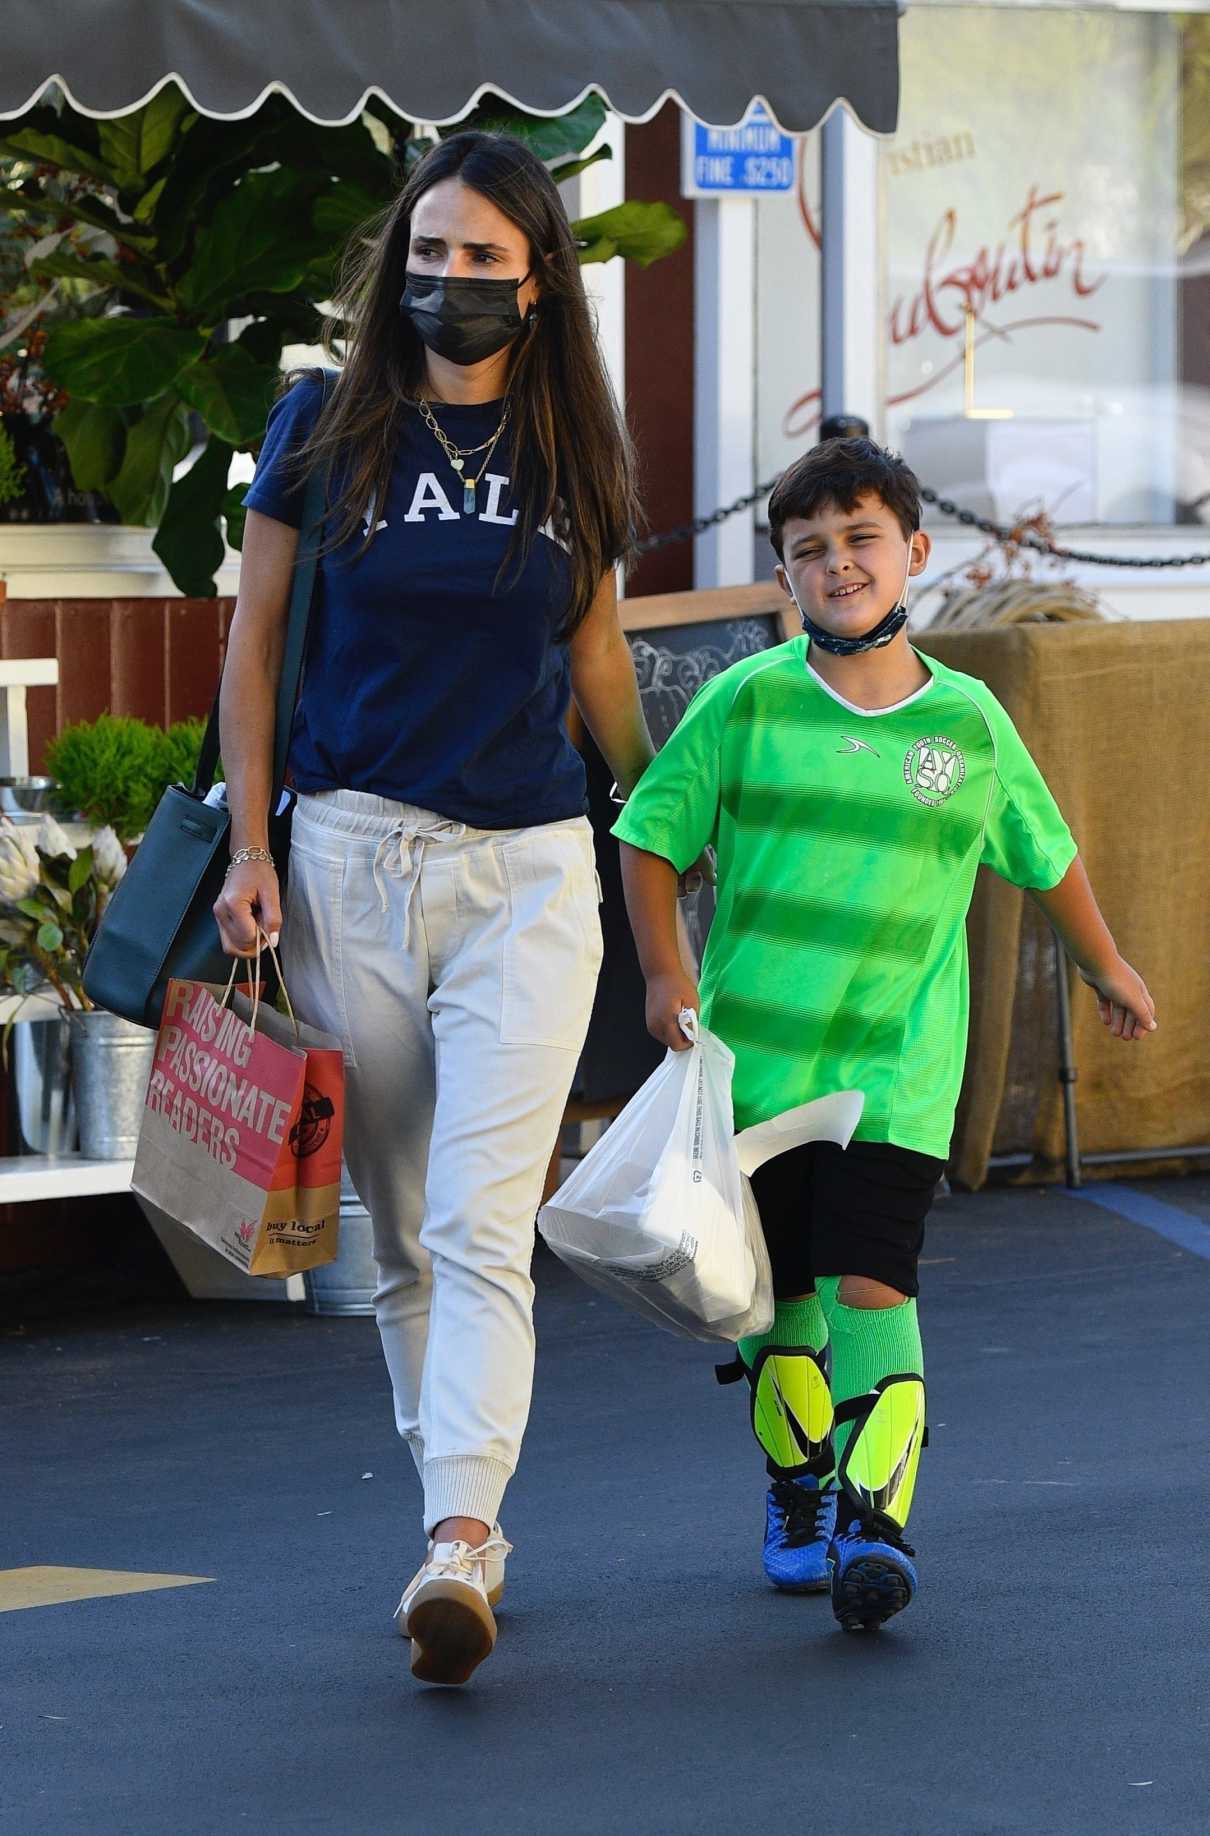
(181, 744)
(175, 230)
(114, 770)
(12, 472)
(52, 896)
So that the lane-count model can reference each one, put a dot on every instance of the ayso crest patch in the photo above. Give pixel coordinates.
(933, 769)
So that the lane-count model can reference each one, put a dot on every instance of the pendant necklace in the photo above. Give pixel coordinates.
(458, 455)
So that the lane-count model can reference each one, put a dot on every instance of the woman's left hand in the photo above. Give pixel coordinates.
(701, 873)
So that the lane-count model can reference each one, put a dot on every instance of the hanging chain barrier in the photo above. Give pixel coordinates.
(685, 532)
(1021, 537)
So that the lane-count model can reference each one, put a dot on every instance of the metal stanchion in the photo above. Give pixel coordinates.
(1067, 1067)
(1076, 1162)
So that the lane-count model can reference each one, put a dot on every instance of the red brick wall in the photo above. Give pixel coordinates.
(659, 358)
(157, 658)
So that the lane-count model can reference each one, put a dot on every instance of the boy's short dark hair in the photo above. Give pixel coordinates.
(839, 472)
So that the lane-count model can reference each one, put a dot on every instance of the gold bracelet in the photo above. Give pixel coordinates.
(249, 854)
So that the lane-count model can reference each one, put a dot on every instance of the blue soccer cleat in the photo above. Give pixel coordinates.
(800, 1523)
(873, 1575)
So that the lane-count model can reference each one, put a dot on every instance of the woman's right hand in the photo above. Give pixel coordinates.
(666, 996)
(250, 903)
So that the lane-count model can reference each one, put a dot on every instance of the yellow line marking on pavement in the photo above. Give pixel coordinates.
(31, 1587)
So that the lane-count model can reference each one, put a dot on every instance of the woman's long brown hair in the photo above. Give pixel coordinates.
(573, 466)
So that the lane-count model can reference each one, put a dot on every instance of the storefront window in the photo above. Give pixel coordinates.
(1047, 197)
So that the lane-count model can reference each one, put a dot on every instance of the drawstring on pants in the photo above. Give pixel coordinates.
(400, 855)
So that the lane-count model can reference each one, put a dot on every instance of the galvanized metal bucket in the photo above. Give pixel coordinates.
(347, 1285)
(42, 1088)
(111, 1063)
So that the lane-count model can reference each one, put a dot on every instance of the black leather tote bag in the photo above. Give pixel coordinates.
(160, 921)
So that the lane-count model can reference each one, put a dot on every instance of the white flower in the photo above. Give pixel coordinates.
(52, 840)
(20, 868)
(108, 856)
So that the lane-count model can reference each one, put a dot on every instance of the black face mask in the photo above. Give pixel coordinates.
(882, 633)
(464, 320)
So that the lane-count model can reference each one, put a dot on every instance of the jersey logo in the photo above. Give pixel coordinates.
(856, 745)
(933, 769)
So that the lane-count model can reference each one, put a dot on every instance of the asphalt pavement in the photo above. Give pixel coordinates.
(1051, 1675)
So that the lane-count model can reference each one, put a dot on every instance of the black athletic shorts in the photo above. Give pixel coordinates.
(859, 1210)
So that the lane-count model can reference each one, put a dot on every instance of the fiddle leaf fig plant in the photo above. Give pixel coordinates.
(200, 249)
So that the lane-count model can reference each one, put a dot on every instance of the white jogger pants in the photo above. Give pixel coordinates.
(458, 968)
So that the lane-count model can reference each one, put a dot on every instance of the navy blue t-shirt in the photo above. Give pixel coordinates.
(424, 681)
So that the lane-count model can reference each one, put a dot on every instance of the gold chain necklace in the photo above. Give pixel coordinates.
(458, 455)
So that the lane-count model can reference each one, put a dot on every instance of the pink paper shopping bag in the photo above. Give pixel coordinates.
(241, 1134)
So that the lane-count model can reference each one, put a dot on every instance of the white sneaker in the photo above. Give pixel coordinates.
(494, 1551)
(446, 1612)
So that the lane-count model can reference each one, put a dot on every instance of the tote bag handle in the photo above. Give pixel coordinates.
(302, 592)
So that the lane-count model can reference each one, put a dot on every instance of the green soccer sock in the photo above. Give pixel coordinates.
(795, 1322)
(868, 1343)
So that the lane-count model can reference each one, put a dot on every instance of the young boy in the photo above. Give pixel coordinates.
(851, 787)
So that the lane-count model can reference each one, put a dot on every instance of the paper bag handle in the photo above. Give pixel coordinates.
(257, 982)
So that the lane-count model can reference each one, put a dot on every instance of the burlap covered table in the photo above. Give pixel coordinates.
(1118, 717)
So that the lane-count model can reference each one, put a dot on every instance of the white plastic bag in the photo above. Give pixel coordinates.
(661, 1215)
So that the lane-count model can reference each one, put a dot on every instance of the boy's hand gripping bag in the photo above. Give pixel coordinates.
(241, 1134)
(661, 1214)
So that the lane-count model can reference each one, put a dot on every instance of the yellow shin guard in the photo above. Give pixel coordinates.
(791, 1407)
(878, 1467)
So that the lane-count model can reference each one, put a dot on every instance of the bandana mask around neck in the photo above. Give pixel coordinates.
(465, 321)
(881, 634)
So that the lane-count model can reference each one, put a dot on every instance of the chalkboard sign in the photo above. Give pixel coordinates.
(678, 640)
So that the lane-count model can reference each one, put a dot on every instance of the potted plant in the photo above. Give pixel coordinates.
(175, 229)
(52, 896)
(112, 771)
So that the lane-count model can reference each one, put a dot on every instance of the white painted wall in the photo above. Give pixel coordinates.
(853, 344)
(598, 189)
(89, 561)
(724, 384)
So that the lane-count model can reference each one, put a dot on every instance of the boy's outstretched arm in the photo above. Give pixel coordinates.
(1123, 1002)
(650, 884)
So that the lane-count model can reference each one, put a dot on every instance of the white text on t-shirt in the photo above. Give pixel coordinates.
(429, 495)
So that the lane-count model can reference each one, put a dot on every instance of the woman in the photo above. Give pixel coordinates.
(442, 912)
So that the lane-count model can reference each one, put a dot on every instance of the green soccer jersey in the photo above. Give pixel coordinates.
(847, 847)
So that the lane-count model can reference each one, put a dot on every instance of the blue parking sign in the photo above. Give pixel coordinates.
(748, 160)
